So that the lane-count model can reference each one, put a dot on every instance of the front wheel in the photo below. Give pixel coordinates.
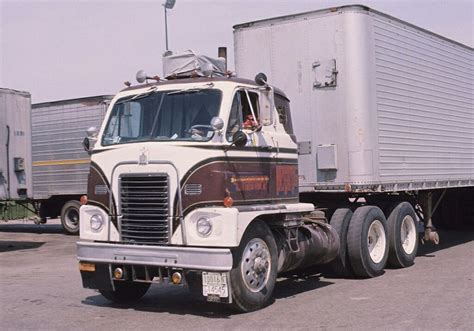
(253, 276)
(126, 292)
(70, 217)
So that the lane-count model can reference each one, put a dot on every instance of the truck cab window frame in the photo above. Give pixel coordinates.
(240, 111)
(282, 106)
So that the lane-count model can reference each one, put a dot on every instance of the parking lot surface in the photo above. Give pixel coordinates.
(41, 288)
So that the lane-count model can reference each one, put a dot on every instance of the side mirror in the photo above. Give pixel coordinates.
(86, 144)
(92, 132)
(217, 123)
(91, 136)
(261, 79)
(239, 139)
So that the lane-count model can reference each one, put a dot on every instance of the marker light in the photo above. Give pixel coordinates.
(97, 222)
(228, 202)
(83, 200)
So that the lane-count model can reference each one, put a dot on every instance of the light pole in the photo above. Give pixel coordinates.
(169, 4)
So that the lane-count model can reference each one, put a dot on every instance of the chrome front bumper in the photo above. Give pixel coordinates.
(191, 258)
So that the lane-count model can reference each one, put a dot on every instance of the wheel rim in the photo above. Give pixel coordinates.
(72, 217)
(408, 234)
(256, 265)
(376, 241)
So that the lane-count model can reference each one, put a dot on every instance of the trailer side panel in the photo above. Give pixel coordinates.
(60, 164)
(384, 105)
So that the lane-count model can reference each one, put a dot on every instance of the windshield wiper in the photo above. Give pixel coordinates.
(144, 94)
(185, 90)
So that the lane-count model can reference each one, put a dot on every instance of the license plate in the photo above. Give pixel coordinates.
(215, 283)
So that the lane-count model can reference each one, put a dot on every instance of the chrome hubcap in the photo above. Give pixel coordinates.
(256, 265)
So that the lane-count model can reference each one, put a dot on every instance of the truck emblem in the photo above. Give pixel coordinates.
(143, 158)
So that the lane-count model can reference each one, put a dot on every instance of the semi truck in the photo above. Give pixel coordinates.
(211, 180)
(47, 168)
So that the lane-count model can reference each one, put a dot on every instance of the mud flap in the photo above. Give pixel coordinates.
(100, 279)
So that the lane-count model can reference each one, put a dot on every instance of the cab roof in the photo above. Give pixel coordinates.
(202, 80)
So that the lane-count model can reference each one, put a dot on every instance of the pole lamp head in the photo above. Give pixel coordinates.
(169, 4)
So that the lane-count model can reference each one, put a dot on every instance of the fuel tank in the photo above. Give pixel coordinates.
(308, 244)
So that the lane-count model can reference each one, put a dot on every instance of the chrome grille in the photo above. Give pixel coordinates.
(144, 203)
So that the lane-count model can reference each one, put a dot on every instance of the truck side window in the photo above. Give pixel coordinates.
(127, 123)
(241, 115)
(282, 106)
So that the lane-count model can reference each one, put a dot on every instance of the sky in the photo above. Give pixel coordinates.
(76, 48)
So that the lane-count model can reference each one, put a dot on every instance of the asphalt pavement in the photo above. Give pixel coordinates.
(40, 289)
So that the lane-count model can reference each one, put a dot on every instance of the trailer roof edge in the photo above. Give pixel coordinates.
(360, 7)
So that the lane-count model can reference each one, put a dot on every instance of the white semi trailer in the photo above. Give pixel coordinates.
(15, 153)
(43, 167)
(211, 180)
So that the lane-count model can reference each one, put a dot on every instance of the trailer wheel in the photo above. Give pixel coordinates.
(402, 236)
(254, 272)
(367, 242)
(340, 222)
(126, 292)
(70, 217)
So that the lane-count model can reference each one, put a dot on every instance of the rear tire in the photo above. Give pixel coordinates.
(126, 292)
(402, 236)
(367, 242)
(254, 272)
(340, 220)
(70, 217)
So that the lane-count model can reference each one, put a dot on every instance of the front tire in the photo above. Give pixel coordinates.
(254, 273)
(367, 242)
(126, 292)
(70, 217)
(402, 236)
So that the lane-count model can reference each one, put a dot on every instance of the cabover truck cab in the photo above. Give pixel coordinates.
(196, 181)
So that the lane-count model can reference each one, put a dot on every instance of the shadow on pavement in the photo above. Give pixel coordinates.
(298, 284)
(447, 239)
(9, 246)
(166, 299)
(30, 227)
(180, 301)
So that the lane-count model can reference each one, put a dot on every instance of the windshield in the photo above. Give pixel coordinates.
(183, 115)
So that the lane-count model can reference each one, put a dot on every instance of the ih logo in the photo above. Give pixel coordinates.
(143, 157)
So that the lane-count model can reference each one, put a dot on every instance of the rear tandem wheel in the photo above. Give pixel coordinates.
(367, 242)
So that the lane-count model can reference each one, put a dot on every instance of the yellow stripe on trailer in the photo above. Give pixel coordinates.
(60, 162)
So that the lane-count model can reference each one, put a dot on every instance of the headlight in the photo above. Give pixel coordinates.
(97, 222)
(204, 227)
